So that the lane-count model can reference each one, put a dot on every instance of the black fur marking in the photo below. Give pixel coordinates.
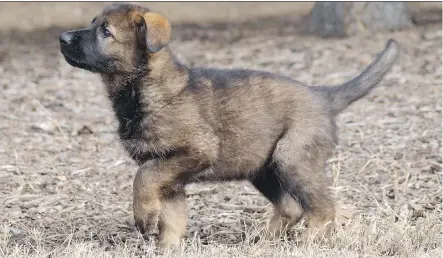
(267, 183)
(272, 183)
(84, 52)
(297, 192)
(226, 78)
(127, 108)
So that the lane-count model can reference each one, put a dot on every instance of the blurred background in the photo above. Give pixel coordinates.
(16, 15)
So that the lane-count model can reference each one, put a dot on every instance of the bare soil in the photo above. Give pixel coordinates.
(65, 179)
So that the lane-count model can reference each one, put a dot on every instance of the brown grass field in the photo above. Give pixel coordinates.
(66, 183)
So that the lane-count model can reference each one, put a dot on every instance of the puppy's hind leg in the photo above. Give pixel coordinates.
(287, 210)
(300, 161)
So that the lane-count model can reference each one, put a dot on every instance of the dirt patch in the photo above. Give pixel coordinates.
(63, 174)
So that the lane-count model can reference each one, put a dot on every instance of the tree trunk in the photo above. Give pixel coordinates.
(342, 19)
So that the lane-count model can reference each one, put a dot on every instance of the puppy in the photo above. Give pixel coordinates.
(183, 124)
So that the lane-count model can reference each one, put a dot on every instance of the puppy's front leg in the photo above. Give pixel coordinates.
(173, 218)
(146, 199)
(155, 180)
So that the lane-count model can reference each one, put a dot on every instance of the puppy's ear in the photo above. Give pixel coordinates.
(158, 29)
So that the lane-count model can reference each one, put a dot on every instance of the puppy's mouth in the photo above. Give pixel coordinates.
(78, 64)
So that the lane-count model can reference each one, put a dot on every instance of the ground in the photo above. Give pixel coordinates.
(66, 183)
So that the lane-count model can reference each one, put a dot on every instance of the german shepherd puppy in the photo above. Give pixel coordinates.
(183, 124)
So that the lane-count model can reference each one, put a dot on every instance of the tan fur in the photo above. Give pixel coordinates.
(158, 28)
(173, 220)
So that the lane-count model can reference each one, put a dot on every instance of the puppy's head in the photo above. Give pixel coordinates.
(120, 40)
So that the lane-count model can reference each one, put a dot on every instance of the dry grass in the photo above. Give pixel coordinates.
(65, 182)
(360, 237)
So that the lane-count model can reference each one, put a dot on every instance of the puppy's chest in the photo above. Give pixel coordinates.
(132, 122)
(128, 110)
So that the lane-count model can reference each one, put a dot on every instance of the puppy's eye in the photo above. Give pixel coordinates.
(106, 33)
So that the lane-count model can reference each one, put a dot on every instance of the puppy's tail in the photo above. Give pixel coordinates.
(341, 96)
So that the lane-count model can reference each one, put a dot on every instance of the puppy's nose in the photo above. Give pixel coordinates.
(66, 38)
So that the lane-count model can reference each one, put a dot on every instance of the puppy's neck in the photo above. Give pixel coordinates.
(167, 76)
(163, 78)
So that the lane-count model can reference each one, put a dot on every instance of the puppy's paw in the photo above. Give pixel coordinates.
(318, 233)
(169, 244)
(148, 224)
